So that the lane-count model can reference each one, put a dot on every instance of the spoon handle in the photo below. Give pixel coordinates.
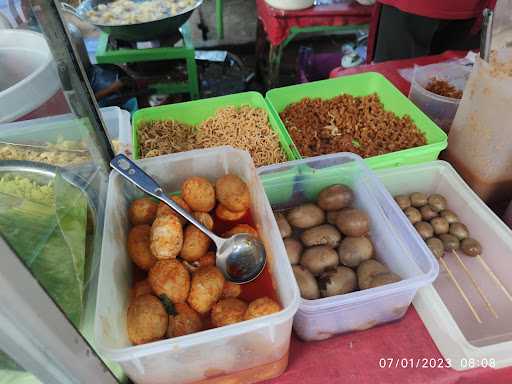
(129, 170)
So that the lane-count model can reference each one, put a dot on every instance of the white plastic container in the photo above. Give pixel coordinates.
(290, 5)
(394, 239)
(28, 77)
(459, 337)
(246, 352)
(68, 127)
(439, 108)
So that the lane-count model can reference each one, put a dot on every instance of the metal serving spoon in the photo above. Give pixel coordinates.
(241, 258)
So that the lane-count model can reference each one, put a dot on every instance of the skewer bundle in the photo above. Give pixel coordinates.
(444, 234)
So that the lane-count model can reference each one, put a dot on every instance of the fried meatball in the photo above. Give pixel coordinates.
(199, 194)
(228, 311)
(231, 290)
(138, 245)
(164, 209)
(209, 259)
(142, 211)
(261, 307)
(185, 322)
(233, 193)
(146, 320)
(166, 237)
(241, 228)
(225, 214)
(195, 242)
(206, 288)
(140, 288)
(171, 278)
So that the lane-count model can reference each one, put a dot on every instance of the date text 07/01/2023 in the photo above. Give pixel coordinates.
(424, 363)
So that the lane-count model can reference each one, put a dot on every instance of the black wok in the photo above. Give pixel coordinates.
(151, 30)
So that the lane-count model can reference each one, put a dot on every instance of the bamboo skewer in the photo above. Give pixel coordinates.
(494, 277)
(475, 284)
(461, 291)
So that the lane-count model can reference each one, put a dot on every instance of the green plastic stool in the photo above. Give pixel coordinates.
(107, 55)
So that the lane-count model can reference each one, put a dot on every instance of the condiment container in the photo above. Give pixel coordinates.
(440, 109)
(463, 341)
(246, 352)
(395, 240)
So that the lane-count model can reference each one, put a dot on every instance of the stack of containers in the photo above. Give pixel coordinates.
(245, 352)
(393, 238)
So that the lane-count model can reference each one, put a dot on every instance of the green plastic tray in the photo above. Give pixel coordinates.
(393, 100)
(195, 112)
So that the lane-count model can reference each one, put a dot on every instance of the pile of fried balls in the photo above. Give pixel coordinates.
(184, 291)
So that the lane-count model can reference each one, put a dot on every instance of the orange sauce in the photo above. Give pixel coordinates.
(263, 285)
(248, 376)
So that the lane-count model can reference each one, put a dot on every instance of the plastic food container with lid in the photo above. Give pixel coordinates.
(462, 340)
(394, 239)
(246, 352)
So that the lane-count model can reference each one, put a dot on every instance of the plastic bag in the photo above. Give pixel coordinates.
(49, 235)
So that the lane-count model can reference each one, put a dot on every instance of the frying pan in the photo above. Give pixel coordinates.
(151, 30)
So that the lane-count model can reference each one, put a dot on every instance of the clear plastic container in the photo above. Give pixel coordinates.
(246, 352)
(439, 108)
(480, 142)
(457, 334)
(395, 240)
(48, 129)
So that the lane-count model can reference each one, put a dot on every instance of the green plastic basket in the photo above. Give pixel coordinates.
(393, 100)
(195, 112)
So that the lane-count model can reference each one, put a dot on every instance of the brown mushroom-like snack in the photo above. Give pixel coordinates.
(317, 259)
(306, 216)
(450, 242)
(424, 229)
(436, 246)
(284, 227)
(384, 279)
(325, 234)
(418, 199)
(459, 230)
(367, 270)
(354, 250)
(335, 197)
(437, 202)
(307, 283)
(337, 281)
(428, 213)
(450, 216)
(403, 201)
(440, 225)
(471, 247)
(293, 250)
(353, 222)
(413, 214)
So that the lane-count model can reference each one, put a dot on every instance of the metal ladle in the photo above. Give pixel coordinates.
(241, 258)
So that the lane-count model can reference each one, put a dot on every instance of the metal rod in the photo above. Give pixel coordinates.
(461, 291)
(494, 277)
(475, 284)
(75, 83)
(486, 37)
